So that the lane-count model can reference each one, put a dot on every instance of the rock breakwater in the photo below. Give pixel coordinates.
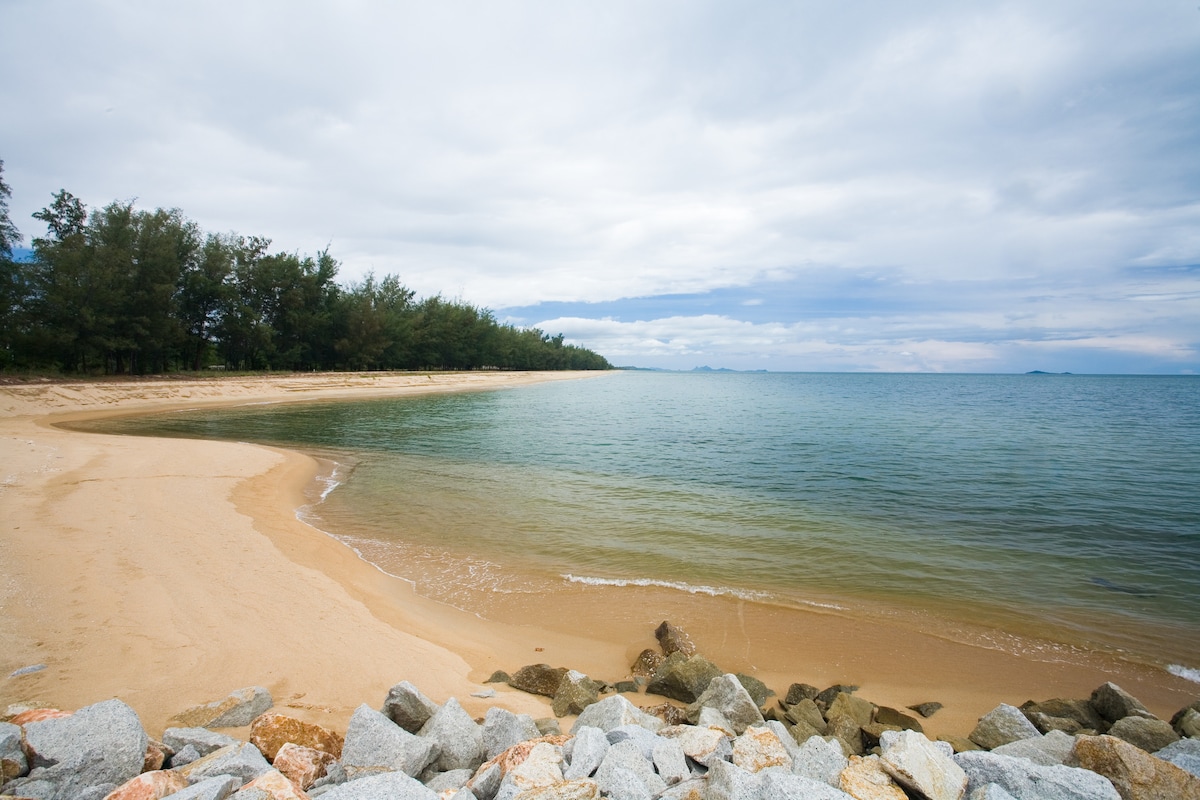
(723, 740)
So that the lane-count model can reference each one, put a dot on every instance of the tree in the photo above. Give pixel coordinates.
(12, 281)
(64, 301)
(124, 290)
(205, 291)
(10, 237)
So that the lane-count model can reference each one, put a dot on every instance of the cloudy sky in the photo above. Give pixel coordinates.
(942, 186)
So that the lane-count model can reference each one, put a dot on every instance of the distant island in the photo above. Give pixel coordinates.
(1040, 372)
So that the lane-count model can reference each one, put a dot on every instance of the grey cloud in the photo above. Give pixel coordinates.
(516, 152)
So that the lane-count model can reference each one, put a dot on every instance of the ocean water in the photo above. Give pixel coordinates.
(1060, 507)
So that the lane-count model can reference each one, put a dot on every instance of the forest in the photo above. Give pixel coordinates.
(124, 291)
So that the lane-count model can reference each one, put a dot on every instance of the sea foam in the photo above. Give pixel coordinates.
(1187, 673)
(713, 591)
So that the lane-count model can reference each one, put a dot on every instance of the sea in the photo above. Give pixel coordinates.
(1056, 508)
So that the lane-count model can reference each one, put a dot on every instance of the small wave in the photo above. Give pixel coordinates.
(713, 591)
(831, 606)
(1187, 673)
(331, 481)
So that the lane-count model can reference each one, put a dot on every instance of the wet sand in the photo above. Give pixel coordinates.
(170, 572)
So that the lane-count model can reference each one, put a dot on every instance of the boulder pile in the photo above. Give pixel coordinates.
(722, 740)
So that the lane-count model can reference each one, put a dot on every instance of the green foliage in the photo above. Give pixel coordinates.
(125, 291)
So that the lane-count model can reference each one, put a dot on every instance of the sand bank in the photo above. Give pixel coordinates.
(169, 572)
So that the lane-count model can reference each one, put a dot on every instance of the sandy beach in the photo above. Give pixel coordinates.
(170, 572)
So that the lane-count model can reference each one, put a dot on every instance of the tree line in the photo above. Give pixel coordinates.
(120, 290)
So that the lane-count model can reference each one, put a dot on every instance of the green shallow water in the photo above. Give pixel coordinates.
(1065, 507)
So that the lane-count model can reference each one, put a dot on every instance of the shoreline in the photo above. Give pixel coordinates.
(180, 567)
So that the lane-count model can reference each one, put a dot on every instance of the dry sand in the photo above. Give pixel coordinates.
(170, 572)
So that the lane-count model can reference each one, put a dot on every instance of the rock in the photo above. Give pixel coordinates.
(669, 714)
(1136, 774)
(1055, 711)
(1178, 715)
(238, 709)
(1149, 734)
(866, 779)
(385, 786)
(271, 785)
(217, 788)
(757, 690)
(102, 744)
(626, 687)
(37, 715)
(540, 679)
(1188, 723)
(458, 737)
(1049, 750)
(575, 692)
(242, 760)
(647, 663)
(847, 705)
(713, 718)
(727, 782)
(802, 731)
(407, 707)
(847, 716)
(1046, 723)
(759, 748)
(806, 711)
(819, 760)
(897, 719)
(1024, 779)
(622, 760)
(777, 785)
(800, 691)
(582, 789)
(682, 678)
(540, 768)
(993, 791)
(926, 710)
(451, 781)
(644, 739)
(499, 676)
(613, 712)
(13, 763)
(1184, 754)
(670, 761)
(502, 729)
(548, 726)
(302, 765)
(375, 744)
(825, 698)
(847, 731)
(917, 764)
(152, 785)
(1001, 725)
(156, 756)
(674, 640)
(705, 746)
(873, 733)
(959, 744)
(726, 694)
(587, 751)
(269, 732)
(202, 740)
(185, 756)
(1114, 703)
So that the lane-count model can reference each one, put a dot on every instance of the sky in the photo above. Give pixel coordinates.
(873, 186)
